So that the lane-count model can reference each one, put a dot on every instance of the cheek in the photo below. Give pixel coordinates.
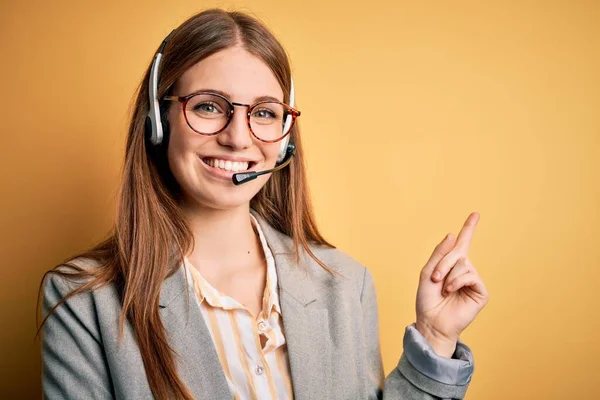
(181, 153)
(270, 152)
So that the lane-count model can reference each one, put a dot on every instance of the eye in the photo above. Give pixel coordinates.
(264, 113)
(207, 108)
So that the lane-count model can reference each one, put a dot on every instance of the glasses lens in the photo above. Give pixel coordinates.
(267, 121)
(207, 113)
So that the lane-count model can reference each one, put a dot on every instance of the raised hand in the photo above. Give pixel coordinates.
(450, 293)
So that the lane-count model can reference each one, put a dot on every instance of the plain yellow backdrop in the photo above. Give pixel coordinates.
(414, 114)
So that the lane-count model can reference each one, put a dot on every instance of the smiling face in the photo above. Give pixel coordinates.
(203, 165)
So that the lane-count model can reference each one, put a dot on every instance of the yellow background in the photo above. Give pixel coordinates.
(414, 114)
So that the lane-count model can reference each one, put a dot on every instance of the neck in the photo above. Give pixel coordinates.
(224, 240)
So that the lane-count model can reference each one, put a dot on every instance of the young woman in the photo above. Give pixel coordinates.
(210, 289)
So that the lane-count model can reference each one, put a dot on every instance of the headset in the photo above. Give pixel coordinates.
(156, 132)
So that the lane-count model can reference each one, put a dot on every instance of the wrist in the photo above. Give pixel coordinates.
(442, 345)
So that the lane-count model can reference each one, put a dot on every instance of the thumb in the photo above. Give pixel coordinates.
(440, 251)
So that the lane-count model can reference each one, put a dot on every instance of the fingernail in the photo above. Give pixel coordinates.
(437, 275)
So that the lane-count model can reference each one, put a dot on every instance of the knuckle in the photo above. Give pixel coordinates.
(467, 263)
(442, 268)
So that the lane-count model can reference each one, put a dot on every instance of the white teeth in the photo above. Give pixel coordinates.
(227, 165)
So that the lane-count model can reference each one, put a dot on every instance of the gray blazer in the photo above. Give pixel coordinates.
(331, 326)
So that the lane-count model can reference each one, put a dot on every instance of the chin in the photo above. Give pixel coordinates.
(226, 198)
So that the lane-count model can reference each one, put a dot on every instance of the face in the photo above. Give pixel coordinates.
(196, 160)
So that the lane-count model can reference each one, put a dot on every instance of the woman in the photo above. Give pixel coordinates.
(209, 289)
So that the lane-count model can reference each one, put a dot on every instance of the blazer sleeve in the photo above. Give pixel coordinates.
(421, 374)
(73, 361)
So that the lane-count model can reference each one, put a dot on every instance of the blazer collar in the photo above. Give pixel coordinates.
(172, 287)
(293, 276)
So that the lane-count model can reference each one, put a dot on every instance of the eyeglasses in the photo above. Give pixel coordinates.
(209, 113)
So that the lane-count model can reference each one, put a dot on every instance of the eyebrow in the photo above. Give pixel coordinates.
(228, 96)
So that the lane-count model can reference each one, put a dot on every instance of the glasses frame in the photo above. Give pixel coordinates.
(183, 100)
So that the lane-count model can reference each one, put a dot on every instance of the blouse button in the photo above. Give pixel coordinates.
(259, 370)
(262, 326)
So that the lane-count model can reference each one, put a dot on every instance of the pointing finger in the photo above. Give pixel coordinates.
(465, 236)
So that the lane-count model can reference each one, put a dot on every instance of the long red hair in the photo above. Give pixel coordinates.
(150, 237)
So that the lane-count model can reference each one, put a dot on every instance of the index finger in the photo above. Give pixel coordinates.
(466, 233)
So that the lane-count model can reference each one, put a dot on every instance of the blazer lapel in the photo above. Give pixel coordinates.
(198, 362)
(305, 319)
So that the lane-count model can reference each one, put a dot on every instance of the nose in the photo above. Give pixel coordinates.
(237, 135)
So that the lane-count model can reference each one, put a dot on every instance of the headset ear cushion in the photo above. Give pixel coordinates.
(148, 129)
(283, 149)
(165, 125)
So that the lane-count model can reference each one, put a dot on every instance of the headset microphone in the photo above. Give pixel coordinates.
(243, 177)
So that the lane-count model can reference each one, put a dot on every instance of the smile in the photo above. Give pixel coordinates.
(228, 165)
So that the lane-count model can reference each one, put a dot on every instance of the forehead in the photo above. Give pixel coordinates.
(235, 71)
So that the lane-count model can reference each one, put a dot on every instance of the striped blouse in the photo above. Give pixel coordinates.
(252, 352)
